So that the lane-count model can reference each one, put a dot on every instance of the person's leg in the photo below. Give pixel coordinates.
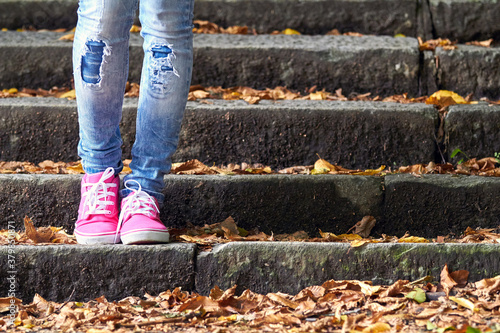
(166, 77)
(100, 64)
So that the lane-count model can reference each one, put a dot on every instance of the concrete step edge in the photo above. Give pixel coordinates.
(457, 20)
(425, 206)
(58, 272)
(279, 134)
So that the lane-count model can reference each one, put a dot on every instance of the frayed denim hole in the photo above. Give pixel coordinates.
(92, 62)
(161, 69)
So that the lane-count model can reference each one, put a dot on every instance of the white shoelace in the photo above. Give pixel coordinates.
(95, 198)
(139, 202)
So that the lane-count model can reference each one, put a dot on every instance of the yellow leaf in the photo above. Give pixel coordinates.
(12, 91)
(319, 171)
(370, 172)
(75, 169)
(317, 96)
(413, 239)
(444, 98)
(322, 164)
(290, 32)
(5, 29)
(358, 243)
(329, 236)
(465, 303)
(56, 229)
(135, 28)
(68, 37)
(399, 35)
(126, 170)
(69, 94)
(377, 327)
(228, 318)
(350, 237)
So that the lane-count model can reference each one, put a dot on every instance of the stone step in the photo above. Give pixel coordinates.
(81, 273)
(426, 206)
(280, 134)
(379, 65)
(39, 59)
(462, 20)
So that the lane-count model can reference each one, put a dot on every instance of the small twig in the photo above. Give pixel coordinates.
(162, 321)
(443, 160)
(67, 301)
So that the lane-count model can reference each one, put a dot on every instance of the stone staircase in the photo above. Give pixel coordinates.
(279, 134)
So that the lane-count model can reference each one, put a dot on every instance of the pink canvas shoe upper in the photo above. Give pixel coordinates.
(139, 220)
(98, 213)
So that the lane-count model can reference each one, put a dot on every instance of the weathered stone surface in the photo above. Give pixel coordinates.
(32, 59)
(275, 203)
(298, 62)
(466, 20)
(279, 134)
(474, 129)
(309, 17)
(46, 14)
(433, 205)
(46, 199)
(289, 267)
(288, 133)
(115, 271)
(314, 16)
(462, 20)
(470, 69)
(38, 129)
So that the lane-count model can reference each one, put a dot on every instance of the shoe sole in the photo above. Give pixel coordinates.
(145, 237)
(96, 240)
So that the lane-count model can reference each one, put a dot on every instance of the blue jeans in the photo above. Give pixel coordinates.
(100, 65)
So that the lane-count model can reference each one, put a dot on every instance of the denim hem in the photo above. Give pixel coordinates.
(158, 196)
(91, 171)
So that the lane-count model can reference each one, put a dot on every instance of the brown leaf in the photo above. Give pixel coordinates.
(447, 281)
(202, 302)
(432, 44)
(460, 277)
(216, 293)
(396, 289)
(230, 228)
(484, 43)
(42, 235)
(192, 167)
(283, 299)
(364, 227)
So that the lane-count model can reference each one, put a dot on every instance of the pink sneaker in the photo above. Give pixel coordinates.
(140, 219)
(98, 213)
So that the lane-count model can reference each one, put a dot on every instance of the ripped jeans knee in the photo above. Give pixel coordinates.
(92, 61)
(161, 68)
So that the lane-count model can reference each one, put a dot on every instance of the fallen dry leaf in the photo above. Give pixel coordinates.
(42, 235)
(432, 44)
(444, 98)
(364, 227)
(484, 43)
